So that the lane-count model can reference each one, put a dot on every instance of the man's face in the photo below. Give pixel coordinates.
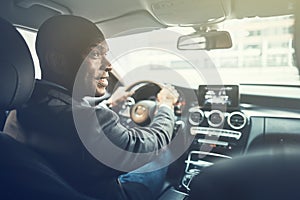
(97, 67)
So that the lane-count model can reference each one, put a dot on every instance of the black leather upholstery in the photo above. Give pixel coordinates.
(15, 62)
(259, 176)
(23, 173)
(17, 69)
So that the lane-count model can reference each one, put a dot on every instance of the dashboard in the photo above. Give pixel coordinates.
(220, 123)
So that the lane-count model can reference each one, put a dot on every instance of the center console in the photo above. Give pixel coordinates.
(218, 127)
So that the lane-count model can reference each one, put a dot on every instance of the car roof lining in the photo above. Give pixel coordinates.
(113, 15)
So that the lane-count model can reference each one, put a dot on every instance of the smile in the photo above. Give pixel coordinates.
(102, 82)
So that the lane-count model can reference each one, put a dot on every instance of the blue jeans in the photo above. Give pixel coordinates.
(153, 180)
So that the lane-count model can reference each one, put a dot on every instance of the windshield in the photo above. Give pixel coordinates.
(262, 53)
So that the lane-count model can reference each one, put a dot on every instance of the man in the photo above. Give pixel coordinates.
(72, 51)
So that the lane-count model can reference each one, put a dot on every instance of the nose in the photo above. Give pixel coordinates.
(108, 68)
(105, 65)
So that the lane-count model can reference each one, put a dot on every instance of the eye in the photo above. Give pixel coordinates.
(95, 54)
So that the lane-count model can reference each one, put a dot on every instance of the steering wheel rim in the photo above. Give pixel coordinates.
(130, 87)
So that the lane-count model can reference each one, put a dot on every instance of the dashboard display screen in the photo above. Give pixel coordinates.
(218, 95)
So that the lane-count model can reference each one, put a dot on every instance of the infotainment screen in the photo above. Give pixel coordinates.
(218, 95)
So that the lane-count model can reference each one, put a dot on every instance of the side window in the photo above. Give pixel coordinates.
(29, 37)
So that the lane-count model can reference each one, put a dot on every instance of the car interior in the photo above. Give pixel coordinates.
(234, 63)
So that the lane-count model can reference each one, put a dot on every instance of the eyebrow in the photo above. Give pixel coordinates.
(100, 47)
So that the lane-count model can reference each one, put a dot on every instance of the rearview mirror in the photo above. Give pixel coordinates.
(205, 41)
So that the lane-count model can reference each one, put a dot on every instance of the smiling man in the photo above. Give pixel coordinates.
(72, 49)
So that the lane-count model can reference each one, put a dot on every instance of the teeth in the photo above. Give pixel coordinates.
(100, 84)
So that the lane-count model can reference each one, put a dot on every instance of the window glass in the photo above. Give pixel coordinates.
(262, 52)
(30, 37)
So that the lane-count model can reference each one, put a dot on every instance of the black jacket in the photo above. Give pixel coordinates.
(83, 143)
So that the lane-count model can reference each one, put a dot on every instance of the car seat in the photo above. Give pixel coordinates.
(270, 170)
(23, 173)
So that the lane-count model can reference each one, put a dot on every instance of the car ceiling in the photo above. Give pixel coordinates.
(125, 16)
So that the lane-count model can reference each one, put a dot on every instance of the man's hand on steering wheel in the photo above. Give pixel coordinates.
(143, 107)
(168, 96)
(119, 96)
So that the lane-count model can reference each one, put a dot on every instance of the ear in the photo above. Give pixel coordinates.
(56, 61)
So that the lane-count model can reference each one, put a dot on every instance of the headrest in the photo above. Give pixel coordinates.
(252, 176)
(16, 68)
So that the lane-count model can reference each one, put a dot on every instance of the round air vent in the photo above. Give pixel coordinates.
(215, 118)
(196, 116)
(237, 120)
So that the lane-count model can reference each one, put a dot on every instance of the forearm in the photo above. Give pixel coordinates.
(140, 139)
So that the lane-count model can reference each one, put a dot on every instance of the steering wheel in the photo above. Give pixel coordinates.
(141, 106)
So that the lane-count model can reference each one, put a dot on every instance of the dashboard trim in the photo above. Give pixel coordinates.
(216, 132)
